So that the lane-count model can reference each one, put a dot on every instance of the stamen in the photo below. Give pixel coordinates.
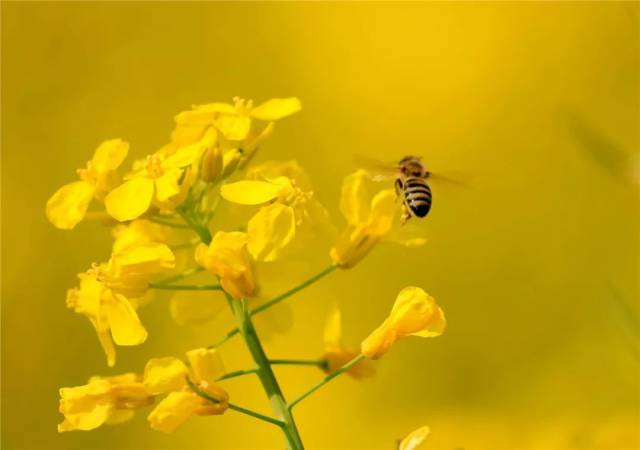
(154, 166)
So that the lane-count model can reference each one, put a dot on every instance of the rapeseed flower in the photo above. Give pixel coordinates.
(289, 209)
(108, 293)
(169, 376)
(414, 313)
(158, 179)
(104, 400)
(69, 204)
(227, 258)
(234, 121)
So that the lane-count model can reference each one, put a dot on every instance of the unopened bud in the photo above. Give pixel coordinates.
(212, 164)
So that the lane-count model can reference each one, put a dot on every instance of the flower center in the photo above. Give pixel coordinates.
(242, 106)
(153, 166)
(97, 272)
(88, 173)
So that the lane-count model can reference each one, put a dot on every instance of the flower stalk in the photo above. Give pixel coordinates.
(265, 373)
(327, 379)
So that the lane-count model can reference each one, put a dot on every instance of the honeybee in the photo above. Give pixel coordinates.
(410, 183)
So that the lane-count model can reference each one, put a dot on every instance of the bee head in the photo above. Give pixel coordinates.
(412, 166)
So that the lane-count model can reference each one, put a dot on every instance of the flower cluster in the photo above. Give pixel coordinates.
(161, 213)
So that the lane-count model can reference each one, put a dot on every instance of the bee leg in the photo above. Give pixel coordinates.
(398, 186)
(406, 214)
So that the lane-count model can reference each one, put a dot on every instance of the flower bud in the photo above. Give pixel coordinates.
(212, 164)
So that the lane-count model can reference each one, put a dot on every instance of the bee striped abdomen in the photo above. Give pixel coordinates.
(417, 196)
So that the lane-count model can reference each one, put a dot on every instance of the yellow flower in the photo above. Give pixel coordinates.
(107, 293)
(227, 257)
(103, 400)
(415, 313)
(336, 354)
(369, 220)
(414, 439)
(234, 122)
(169, 375)
(289, 212)
(161, 178)
(68, 206)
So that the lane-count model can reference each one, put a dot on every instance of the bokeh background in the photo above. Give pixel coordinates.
(535, 259)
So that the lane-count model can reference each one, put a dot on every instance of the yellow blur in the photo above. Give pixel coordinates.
(535, 259)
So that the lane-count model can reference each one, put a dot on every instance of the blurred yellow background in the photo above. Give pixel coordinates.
(532, 261)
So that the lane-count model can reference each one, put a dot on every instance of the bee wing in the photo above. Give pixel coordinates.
(380, 170)
(455, 179)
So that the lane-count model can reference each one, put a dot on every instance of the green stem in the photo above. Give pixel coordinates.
(299, 362)
(232, 406)
(237, 373)
(290, 292)
(257, 415)
(328, 378)
(203, 231)
(226, 337)
(265, 374)
(276, 300)
(186, 287)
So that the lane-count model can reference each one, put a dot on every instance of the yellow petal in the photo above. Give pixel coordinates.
(106, 342)
(138, 232)
(227, 257)
(333, 329)
(251, 192)
(68, 206)
(173, 411)
(353, 244)
(164, 375)
(276, 108)
(206, 364)
(414, 439)
(126, 328)
(86, 300)
(289, 169)
(233, 127)
(378, 342)
(167, 185)
(186, 134)
(187, 155)
(199, 118)
(143, 259)
(416, 313)
(109, 155)
(131, 199)
(384, 207)
(355, 198)
(270, 230)
(85, 407)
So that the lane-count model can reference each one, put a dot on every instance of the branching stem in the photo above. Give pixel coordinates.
(326, 379)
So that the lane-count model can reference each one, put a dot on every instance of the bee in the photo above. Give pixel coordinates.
(411, 185)
(410, 181)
